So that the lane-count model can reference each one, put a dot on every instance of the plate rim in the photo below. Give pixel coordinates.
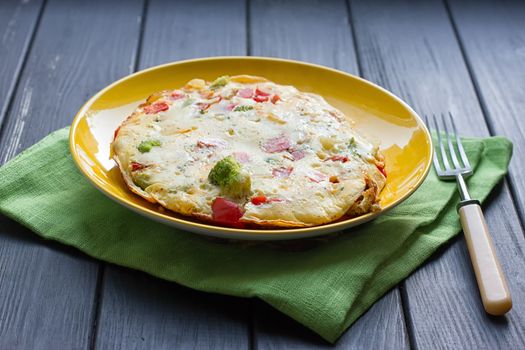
(242, 233)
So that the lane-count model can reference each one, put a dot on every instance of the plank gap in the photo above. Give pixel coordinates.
(97, 304)
(248, 30)
(252, 330)
(484, 110)
(354, 37)
(142, 28)
(406, 315)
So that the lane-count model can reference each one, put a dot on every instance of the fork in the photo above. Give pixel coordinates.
(492, 285)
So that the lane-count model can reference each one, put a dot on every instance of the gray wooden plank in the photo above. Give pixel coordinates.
(319, 32)
(178, 30)
(409, 47)
(18, 20)
(493, 37)
(142, 312)
(379, 328)
(78, 49)
(157, 314)
(48, 292)
(314, 31)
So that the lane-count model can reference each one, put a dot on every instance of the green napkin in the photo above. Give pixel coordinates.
(325, 284)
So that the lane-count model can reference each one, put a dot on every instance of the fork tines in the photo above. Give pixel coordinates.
(445, 153)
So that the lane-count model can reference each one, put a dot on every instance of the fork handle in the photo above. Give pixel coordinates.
(491, 280)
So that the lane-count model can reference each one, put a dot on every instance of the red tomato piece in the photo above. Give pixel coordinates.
(245, 93)
(203, 106)
(258, 200)
(342, 159)
(275, 98)
(275, 200)
(382, 170)
(277, 144)
(282, 172)
(116, 133)
(316, 176)
(297, 154)
(226, 212)
(259, 98)
(156, 108)
(231, 106)
(261, 93)
(137, 166)
(177, 95)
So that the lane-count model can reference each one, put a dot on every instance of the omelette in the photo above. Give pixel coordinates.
(243, 151)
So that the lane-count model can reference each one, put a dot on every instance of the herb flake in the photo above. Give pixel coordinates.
(243, 108)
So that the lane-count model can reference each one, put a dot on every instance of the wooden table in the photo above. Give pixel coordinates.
(465, 57)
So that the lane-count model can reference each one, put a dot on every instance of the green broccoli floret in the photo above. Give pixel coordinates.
(229, 176)
(146, 146)
(220, 82)
(141, 180)
(243, 108)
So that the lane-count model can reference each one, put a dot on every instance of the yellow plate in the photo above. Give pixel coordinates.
(405, 141)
